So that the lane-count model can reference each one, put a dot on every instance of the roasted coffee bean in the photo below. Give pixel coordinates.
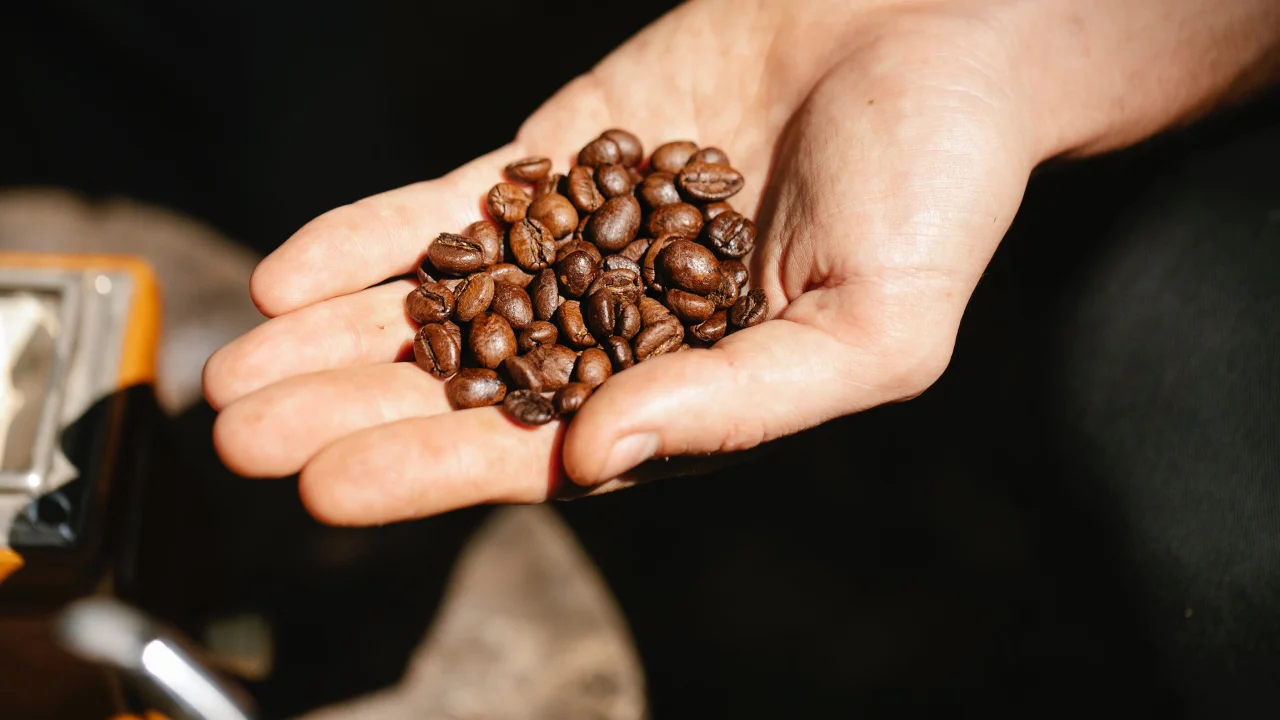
(474, 296)
(594, 367)
(624, 282)
(581, 189)
(659, 189)
(751, 309)
(573, 327)
(575, 245)
(711, 210)
(492, 339)
(532, 246)
(648, 268)
(513, 304)
(672, 156)
(539, 332)
(576, 272)
(614, 180)
(712, 329)
(528, 408)
(727, 294)
(652, 312)
(614, 224)
(630, 151)
(429, 303)
(628, 323)
(735, 270)
(688, 307)
(600, 152)
(554, 364)
(600, 311)
(657, 339)
(688, 266)
(437, 348)
(619, 351)
(473, 388)
(731, 235)
(509, 274)
(635, 249)
(522, 373)
(489, 238)
(544, 291)
(529, 170)
(552, 183)
(711, 155)
(570, 398)
(709, 183)
(556, 213)
(455, 255)
(680, 219)
(620, 262)
(507, 202)
(452, 284)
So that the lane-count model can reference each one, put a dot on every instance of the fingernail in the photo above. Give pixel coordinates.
(627, 453)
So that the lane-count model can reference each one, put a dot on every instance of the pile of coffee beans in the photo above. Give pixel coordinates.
(582, 275)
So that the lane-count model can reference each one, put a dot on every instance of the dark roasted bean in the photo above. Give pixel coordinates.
(614, 180)
(712, 155)
(430, 302)
(635, 249)
(522, 373)
(573, 327)
(529, 170)
(593, 367)
(727, 294)
(437, 348)
(731, 235)
(539, 332)
(510, 274)
(671, 157)
(570, 398)
(630, 151)
(556, 213)
(575, 245)
(532, 245)
(507, 202)
(711, 210)
(624, 282)
(544, 291)
(554, 364)
(619, 351)
(581, 189)
(688, 266)
(688, 307)
(528, 407)
(680, 219)
(648, 268)
(455, 255)
(659, 189)
(712, 329)
(751, 309)
(735, 270)
(600, 311)
(599, 152)
(709, 183)
(652, 312)
(513, 304)
(576, 272)
(614, 224)
(621, 262)
(492, 340)
(473, 388)
(489, 238)
(474, 295)
(628, 323)
(657, 339)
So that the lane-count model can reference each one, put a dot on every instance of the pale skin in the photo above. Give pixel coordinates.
(886, 147)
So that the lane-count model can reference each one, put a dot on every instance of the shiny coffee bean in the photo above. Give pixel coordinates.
(727, 294)
(507, 202)
(473, 388)
(573, 327)
(455, 255)
(552, 183)
(680, 219)
(594, 367)
(437, 348)
(614, 180)
(528, 408)
(619, 351)
(625, 283)
(429, 303)
(709, 183)
(688, 307)
(544, 291)
(689, 266)
(489, 238)
(556, 213)
(575, 245)
(731, 235)
(576, 273)
(735, 270)
(600, 311)
(492, 340)
(600, 152)
(658, 339)
(751, 309)
(620, 262)
(711, 210)
(711, 155)
(509, 274)
(672, 156)
(649, 266)
(628, 323)
(570, 398)
(539, 332)
(513, 304)
(659, 189)
(652, 312)
(554, 364)
(581, 189)
(614, 224)
(532, 245)
(630, 151)
(635, 249)
(522, 373)
(712, 329)
(529, 170)
(474, 295)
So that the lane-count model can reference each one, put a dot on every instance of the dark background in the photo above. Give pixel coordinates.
(973, 550)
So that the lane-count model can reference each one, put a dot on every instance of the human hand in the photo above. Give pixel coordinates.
(885, 148)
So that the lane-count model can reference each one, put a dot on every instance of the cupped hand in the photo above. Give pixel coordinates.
(885, 152)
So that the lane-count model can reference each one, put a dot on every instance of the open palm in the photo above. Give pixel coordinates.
(884, 162)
